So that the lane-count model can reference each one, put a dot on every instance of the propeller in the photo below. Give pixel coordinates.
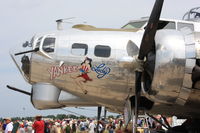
(147, 45)
(148, 38)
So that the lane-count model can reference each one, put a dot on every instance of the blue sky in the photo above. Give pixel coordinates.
(21, 19)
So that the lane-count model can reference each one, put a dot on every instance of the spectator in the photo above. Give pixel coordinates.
(1, 127)
(73, 126)
(22, 129)
(58, 127)
(67, 128)
(82, 126)
(15, 126)
(39, 124)
(92, 127)
(9, 126)
(100, 128)
(29, 127)
(4, 125)
(53, 128)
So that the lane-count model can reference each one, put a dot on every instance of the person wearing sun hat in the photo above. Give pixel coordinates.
(9, 126)
(39, 124)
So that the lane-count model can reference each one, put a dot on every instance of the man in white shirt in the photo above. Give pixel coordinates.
(9, 126)
(92, 126)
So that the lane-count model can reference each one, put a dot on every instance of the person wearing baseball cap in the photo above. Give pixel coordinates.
(9, 126)
(39, 124)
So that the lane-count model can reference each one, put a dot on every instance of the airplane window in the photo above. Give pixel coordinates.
(166, 25)
(183, 25)
(102, 51)
(38, 42)
(133, 25)
(49, 44)
(79, 49)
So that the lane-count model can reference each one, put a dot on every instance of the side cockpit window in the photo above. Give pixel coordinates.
(133, 25)
(102, 51)
(49, 44)
(79, 49)
(166, 25)
(185, 25)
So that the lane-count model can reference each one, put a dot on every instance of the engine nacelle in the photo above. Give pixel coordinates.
(45, 96)
(70, 100)
(48, 96)
(174, 62)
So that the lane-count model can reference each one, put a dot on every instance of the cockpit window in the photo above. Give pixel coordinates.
(79, 49)
(49, 44)
(161, 25)
(38, 42)
(133, 25)
(185, 25)
(166, 25)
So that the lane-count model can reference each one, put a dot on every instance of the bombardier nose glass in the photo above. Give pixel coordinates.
(21, 58)
(21, 55)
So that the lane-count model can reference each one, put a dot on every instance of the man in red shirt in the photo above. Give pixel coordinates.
(39, 124)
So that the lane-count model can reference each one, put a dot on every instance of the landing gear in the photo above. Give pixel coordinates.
(137, 96)
(98, 117)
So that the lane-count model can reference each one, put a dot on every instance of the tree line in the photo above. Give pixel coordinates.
(55, 117)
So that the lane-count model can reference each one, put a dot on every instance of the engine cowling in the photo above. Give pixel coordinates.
(45, 96)
(174, 59)
(48, 96)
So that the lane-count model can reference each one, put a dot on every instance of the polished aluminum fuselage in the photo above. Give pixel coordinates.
(111, 90)
(111, 80)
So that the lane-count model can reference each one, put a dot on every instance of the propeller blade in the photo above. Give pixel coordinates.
(21, 91)
(148, 38)
(146, 46)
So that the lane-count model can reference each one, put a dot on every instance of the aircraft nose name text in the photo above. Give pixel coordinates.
(101, 70)
(56, 71)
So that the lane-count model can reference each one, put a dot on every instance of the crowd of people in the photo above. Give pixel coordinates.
(69, 125)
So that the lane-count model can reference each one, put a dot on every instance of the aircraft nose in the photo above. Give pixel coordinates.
(22, 61)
